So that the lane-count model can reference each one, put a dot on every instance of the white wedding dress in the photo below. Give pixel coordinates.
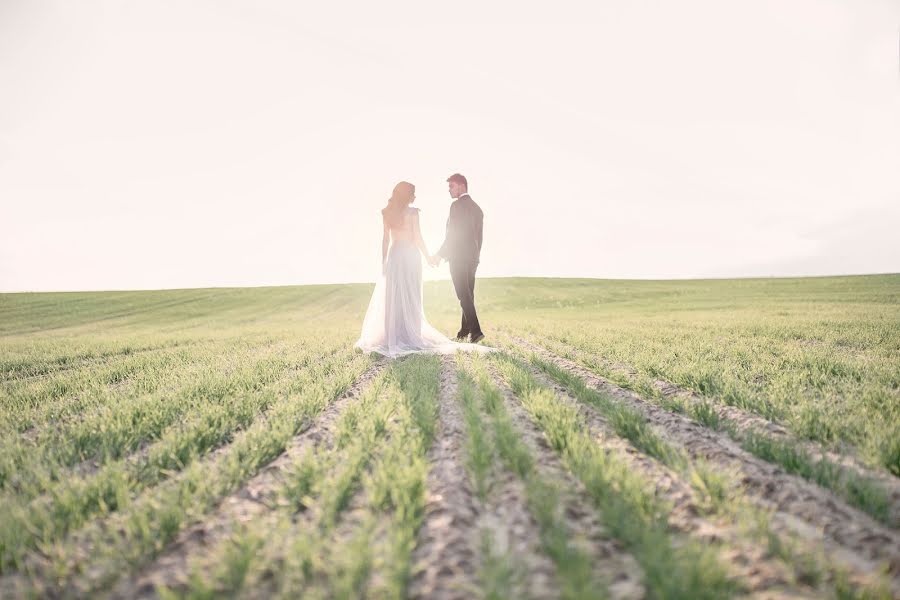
(395, 323)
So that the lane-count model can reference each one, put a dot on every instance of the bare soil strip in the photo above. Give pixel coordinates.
(615, 566)
(257, 496)
(445, 559)
(847, 535)
(458, 528)
(510, 535)
(746, 562)
(514, 534)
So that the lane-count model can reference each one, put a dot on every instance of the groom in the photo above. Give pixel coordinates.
(462, 249)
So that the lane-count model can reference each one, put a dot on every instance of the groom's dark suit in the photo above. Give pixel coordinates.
(462, 249)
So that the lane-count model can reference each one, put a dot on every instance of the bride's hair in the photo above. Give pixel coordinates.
(397, 203)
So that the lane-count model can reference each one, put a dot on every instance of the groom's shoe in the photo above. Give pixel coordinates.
(477, 337)
(461, 336)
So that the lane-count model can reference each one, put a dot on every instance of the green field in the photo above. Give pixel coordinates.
(692, 439)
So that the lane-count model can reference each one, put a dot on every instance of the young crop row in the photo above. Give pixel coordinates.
(717, 493)
(349, 509)
(48, 358)
(627, 503)
(493, 439)
(868, 491)
(830, 390)
(26, 406)
(126, 535)
(29, 465)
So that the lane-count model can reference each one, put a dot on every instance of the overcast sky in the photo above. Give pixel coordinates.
(199, 143)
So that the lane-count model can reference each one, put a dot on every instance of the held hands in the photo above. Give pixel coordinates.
(433, 260)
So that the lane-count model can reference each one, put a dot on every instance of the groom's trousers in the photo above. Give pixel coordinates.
(463, 275)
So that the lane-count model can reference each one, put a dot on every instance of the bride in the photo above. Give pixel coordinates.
(395, 322)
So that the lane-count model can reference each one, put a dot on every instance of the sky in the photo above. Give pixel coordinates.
(173, 144)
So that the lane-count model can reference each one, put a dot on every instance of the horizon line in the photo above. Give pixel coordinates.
(622, 279)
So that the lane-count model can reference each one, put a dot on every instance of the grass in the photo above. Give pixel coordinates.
(818, 355)
(73, 500)
(575, 575)
(717, 491)
(859, 491)
(127, 416)
(121, 428)
(376, 553)
(312, 548)
(627, 502)
(138, 533)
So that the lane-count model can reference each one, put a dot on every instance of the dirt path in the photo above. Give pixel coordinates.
(256, 497)
(445, 559)
(847, 535)
(449, 552)
(514, 535)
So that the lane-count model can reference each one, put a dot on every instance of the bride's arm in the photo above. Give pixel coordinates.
(385, 242)
(420, 243)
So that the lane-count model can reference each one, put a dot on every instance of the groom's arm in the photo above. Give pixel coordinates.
(479, 232)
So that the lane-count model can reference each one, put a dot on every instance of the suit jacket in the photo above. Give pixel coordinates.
(462, 242)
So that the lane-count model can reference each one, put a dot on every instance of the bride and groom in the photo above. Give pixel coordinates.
(395, 322)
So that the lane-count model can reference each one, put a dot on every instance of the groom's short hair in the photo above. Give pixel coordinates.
(456, 177)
